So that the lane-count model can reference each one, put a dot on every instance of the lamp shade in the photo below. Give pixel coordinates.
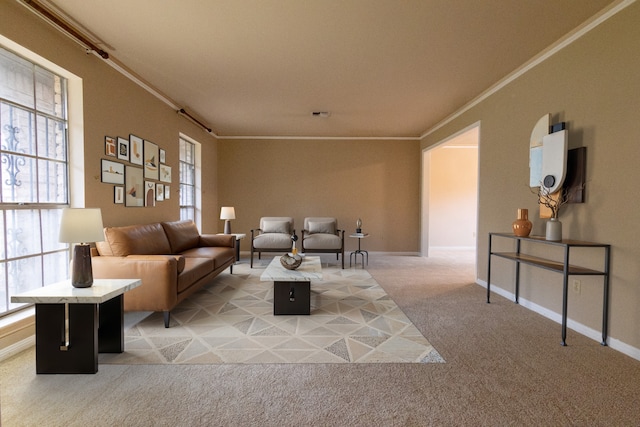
(81, 225)
(227, 212)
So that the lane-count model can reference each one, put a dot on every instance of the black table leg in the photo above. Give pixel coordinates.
(111, 329)
(56, 355)
(291, 298)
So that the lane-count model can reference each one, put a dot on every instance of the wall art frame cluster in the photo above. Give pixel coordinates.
(137, 169)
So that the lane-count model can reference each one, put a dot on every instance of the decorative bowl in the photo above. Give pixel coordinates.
(290, 262)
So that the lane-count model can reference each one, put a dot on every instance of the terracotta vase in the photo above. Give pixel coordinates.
(522, 225)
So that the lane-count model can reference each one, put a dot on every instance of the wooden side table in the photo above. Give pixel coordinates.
(73, 325)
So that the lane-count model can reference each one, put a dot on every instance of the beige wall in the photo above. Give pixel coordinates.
(377, 181)
(115, 106)
(592, 85)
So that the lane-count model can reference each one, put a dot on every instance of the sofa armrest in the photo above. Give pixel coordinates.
(222, 240)
(159, 275)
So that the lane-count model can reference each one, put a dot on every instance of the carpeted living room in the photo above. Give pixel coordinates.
(419, 127)
(501, 364)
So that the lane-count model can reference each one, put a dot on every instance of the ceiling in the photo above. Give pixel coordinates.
(382, 68)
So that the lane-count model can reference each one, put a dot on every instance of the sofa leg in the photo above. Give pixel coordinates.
(167, 318)
(231, 269)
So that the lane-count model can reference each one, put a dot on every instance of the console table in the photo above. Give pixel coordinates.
(564, 267)
(73, 325)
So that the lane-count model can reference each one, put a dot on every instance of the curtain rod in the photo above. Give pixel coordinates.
(68, 29)
(184, 112)
(65, 27)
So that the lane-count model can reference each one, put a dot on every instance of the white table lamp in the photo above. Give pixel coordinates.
(81, 226)
(227, 213)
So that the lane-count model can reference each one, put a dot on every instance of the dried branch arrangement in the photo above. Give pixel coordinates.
(553, 201)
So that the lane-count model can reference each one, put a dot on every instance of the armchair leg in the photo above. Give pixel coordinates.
(167, 318)
(251, 263)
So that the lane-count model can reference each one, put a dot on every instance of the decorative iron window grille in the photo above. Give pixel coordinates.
(34, 183)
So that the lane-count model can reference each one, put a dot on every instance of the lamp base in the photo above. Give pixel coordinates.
(227, 226)
(81, 271)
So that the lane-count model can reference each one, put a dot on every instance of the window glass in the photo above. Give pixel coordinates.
(34, 174)
(187, 180)
(16, 75)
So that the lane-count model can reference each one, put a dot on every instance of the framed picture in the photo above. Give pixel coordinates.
(150, 160)
(162, 156)
(118, 194)
(133, 186)
(167, 192)
(165, 173)
(123, 149)
(149, 193)
(159, 192)
(111, 172)
(135, 150)
(110, 146)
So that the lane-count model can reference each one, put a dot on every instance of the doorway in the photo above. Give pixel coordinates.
(450, 193)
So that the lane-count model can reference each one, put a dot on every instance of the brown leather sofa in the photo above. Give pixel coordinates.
(172, 258)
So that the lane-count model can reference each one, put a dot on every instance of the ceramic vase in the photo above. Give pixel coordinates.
(522, 225)
(554, 230)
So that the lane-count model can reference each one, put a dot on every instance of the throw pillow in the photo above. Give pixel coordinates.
(275, 227)
(322, 227)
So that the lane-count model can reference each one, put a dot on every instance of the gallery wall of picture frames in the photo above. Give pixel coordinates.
(137, 169)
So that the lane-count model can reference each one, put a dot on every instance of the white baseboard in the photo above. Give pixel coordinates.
(452, 248)
(571, 324)
(16, 348)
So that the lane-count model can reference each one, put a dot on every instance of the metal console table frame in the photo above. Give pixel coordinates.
(563, 267)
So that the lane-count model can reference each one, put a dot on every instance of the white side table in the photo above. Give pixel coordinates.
(239, 236)
(360, 252)
(73, 325)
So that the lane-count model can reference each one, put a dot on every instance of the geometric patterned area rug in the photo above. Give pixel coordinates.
(352, 320)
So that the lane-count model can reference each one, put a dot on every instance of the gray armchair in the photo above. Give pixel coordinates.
(321, 235)
(274, 235)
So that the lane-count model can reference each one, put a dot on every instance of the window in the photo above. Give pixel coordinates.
(34, 177)
(187, 180)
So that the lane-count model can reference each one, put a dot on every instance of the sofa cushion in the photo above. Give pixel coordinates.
(194, 270)
(220, 255)
(144, 239)
(327, 227)
(275, 227)
(182, 235)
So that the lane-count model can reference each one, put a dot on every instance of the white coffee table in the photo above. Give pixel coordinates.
(292, 288)
(95, 319)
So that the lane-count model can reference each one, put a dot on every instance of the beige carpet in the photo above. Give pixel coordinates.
(504, 367)
(352, 320)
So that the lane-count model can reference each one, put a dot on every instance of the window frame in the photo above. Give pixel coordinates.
(196, 178)
(75, 168)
